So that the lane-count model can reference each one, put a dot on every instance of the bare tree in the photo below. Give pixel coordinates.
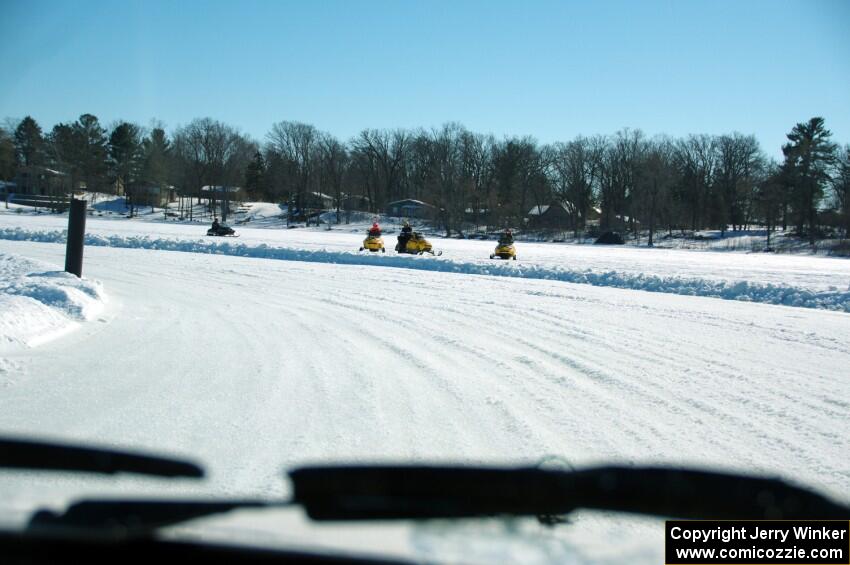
(627, 148)
(210, 152)
(697, 160)
(770, 198)
(446, 145)
(381, 157)
(739, 160)
(295, 148)
(657, 176)
(575, 169)
(477, 173)
(516, 161)
(334, 166)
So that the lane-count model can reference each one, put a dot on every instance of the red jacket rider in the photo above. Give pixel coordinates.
(375, 230)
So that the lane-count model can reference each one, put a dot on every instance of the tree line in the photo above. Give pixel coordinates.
(627, 181)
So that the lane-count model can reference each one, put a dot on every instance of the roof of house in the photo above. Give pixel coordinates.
(410, 202)
(540, 210)
(218, 188)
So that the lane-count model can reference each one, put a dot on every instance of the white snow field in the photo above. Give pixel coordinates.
(793, 280)
(252, 366)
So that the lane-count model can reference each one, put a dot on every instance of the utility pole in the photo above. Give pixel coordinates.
(76, 237)
(224, 205)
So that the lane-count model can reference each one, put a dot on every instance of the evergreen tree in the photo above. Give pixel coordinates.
(255, 177)
(808, 157)
(7, 155)
(29, 143)
(64, 153)
(841, 188)
(156, 151)
(91, 159)
(125, 150)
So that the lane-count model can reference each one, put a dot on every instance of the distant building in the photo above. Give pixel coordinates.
(217, 191)
(555, 215)
(476, 215)
(409, 208)
(148, 194)
(318, 200)
(41, 181)
(356, 202)
(558, 216)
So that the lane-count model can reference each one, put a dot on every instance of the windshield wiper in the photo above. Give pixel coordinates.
(378, 492)
(135, 517)
(52, 456)
(398, 492)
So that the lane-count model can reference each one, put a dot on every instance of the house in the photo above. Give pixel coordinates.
(555, 215)
(410, 208)
(41, 181)
(619, 222)
(218, 191)
(476, 215)
(558, 216)
(149, 194)
(356, 202)
(318, 200)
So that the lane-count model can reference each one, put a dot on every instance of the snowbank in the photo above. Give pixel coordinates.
(835, 298)
(39, 303)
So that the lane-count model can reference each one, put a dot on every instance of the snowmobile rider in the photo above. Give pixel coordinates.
(375, 230)
(405, 235)
(215, 225)
(507, 237)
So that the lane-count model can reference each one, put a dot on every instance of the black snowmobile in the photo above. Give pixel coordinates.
(221, 230)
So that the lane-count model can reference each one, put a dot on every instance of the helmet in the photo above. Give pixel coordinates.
(406, 224)
(375, 225)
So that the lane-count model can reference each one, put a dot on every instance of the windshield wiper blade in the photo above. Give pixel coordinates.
(134, 517)
(52, 456)
(398, 492)
(381, 492)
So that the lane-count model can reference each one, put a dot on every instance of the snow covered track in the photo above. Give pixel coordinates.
(832, 298)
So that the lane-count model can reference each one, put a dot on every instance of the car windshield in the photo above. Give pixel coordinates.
(674, 177)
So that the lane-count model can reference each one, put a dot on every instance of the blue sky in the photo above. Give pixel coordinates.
(551, 70)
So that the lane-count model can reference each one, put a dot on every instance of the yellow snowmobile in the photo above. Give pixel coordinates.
(373, 243)
(505, 251)
(416, 245)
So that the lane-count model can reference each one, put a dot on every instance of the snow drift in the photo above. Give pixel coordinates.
(835, 298)
(39, 303)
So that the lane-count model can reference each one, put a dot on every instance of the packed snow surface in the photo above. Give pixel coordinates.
(253, 366)
(39, 303)
(801, 281)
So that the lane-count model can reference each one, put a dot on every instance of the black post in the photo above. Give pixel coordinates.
(76, 235)
(225, 205)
